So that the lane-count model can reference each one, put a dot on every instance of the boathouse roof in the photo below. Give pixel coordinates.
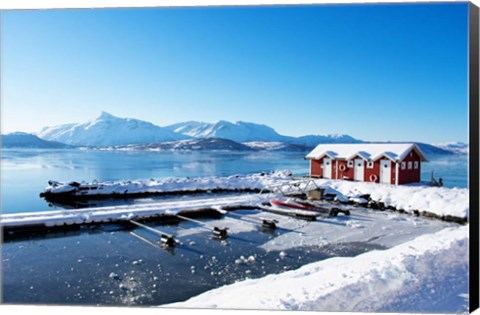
(367, 151)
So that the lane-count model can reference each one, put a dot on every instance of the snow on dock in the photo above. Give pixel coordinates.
(168, 185)
(430, 201)
(119, 213)
(438, 202)
(426, 274)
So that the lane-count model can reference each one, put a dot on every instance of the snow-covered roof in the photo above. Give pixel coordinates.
(368, 151)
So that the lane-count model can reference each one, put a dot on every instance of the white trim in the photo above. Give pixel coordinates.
(415, 147)
(383, 155)
(321, 156)
(357, 154)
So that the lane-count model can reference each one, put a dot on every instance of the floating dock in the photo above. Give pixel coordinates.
(75, 217)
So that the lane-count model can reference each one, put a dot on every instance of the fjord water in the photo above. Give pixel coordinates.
(25, 172)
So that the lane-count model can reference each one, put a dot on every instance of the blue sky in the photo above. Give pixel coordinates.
(377, 72)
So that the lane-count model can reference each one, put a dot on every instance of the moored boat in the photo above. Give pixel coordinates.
(306, 206)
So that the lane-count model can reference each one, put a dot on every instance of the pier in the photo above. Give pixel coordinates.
(112, 214)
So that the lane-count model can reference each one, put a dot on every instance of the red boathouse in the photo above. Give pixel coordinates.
(389, 163)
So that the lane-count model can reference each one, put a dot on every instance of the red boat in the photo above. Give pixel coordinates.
(292, 204)
(302, 205)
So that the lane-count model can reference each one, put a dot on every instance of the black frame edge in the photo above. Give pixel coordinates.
(474, 156)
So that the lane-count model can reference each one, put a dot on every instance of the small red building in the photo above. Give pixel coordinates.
(389, 163)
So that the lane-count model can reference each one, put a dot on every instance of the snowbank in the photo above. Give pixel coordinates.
(427, 274)
(438, 200)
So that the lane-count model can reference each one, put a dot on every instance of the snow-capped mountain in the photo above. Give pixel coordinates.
(241, 131)
(27, 140)
(109, 130)
(454, 147)
(238, 131)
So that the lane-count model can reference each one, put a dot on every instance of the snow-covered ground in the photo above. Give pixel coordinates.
(438, 200)
(427, 274)
(417, 273)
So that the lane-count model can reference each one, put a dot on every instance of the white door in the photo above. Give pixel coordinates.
(327, 168)
(386, 171)
(359, 170)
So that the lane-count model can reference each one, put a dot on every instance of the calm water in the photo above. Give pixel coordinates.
(107, 265)
(24, 173)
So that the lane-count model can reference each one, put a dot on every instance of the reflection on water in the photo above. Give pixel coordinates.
(24, 173)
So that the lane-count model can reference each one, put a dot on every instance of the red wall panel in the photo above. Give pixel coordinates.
(410, 176)
(315, 169)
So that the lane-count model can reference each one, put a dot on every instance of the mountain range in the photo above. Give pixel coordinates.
(109, 131)
(238, 131)
(210, 144)
(126, 131)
